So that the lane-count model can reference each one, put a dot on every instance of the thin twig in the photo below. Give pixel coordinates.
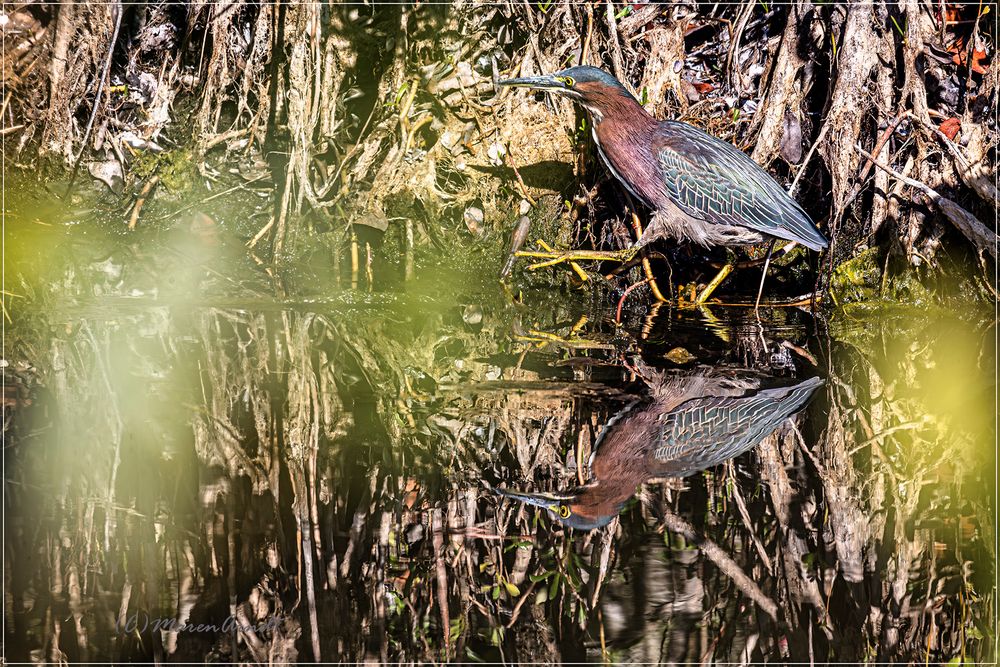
(646, 266)
(141, 201)
(520, 181)
(979, 182)
(812, 149)
(617, 61)
(117, 8)
(584, 60)
(621, 301)
(741, 505)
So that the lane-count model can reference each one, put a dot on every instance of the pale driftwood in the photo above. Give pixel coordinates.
(972, 173)
(972, 229)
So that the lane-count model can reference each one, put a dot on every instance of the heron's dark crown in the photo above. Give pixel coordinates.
(593, 86)
(588, 74)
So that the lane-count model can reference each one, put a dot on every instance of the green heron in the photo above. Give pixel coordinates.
(701, 189)
(690, 423)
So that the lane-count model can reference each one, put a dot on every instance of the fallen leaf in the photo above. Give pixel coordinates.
(979, 61)
(473, 315)
(950, 128)
(108, 172)
(791, 138)
(960, 55)
(679, 355)
(474, 219)
(372, 219)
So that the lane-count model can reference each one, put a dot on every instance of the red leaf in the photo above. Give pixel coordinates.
(950, 128)
(978, 61)
(961, 55)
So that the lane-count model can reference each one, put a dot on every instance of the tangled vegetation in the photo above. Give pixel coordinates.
(382, 123)
(270, 384)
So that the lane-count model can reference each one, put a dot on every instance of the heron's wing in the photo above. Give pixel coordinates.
(715, 182)
(703, 432)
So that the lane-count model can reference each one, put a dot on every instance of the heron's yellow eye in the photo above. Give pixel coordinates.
(568, 80)
(564, 511)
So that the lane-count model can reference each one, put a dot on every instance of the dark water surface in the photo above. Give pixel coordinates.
(208, 462)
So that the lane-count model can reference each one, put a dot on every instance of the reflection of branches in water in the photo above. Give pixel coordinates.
(826, 522)
(339, 482)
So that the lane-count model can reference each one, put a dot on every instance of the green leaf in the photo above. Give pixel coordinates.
(512, 590)
(496, 592)
(457, 626)
(554, 586)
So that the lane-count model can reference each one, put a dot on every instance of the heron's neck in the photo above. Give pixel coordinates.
(624, 133)
(605, 498)
(618, 111)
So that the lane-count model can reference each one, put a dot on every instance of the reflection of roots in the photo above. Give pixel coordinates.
(542, 338)
(716, 281)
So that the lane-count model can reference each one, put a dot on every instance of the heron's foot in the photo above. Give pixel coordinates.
(715, 282)
(553, 257)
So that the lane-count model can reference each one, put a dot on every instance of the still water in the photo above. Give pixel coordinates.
(209, 461)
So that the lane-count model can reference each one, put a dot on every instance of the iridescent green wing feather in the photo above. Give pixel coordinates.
(714, 181)
(703, 432)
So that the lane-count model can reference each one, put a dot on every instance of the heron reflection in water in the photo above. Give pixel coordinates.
(689, 423)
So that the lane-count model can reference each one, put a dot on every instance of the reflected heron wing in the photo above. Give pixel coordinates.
(703, 432)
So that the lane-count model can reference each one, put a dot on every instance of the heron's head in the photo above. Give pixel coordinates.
(573, 509)
(592, 88)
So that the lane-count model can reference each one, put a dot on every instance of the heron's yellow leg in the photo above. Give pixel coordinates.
(716, 281)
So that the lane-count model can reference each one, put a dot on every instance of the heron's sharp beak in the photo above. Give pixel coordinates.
(549, 83)
(544, 500)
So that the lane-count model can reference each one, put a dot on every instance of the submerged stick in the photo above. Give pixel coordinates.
(441, 572)
(141, 201)
(621, 301)
(569, 255)
(517, 239)
(763, 275)
(355, 259)
(722, 561)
